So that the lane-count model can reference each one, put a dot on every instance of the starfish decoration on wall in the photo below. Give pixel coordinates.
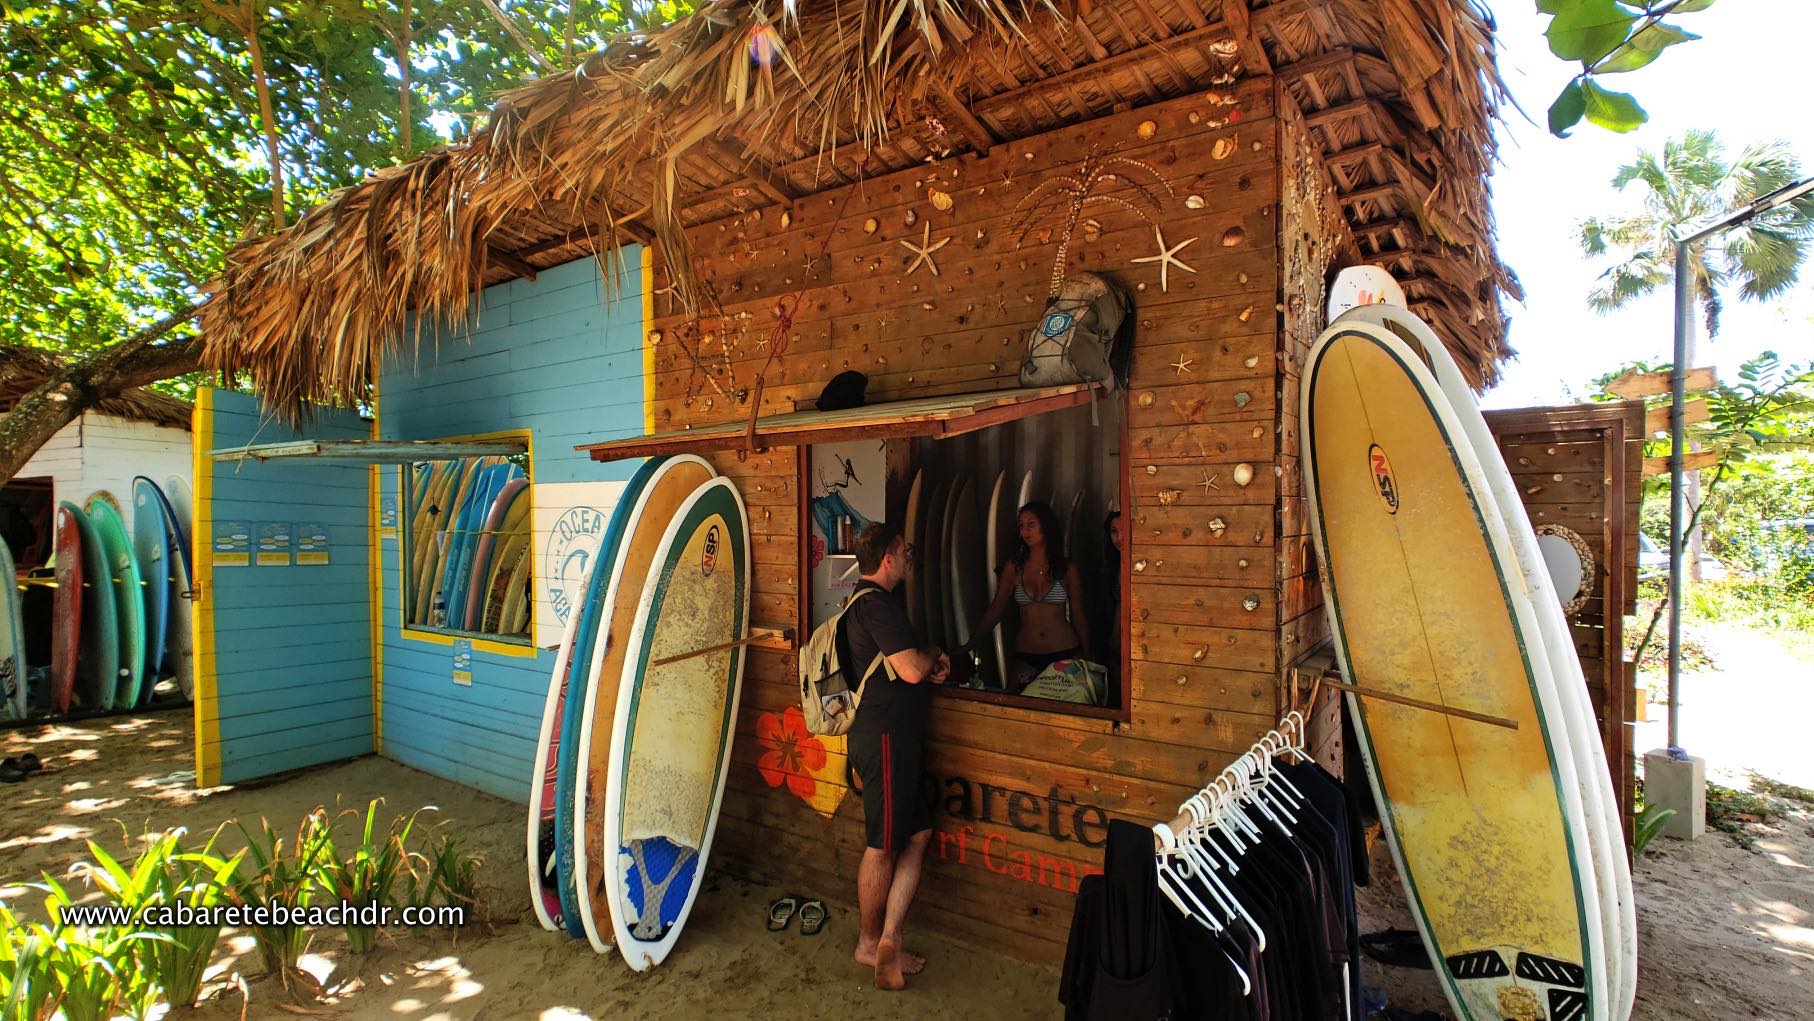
(1182, 365)
(1167, 257)
(1209, 482)
(922, 252)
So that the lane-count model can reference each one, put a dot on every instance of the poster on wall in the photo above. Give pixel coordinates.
(849, 489)
(232, 543)
(273, 544)
(311, 543)
(570, 520)
(462, 662)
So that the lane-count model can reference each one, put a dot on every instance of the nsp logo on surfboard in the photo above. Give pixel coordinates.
(709, 559)
(572, 545)
(1383, 481)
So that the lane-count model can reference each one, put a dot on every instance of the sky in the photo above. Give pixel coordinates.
(1746, 78)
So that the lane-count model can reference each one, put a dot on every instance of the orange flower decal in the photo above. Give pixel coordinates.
(790, 753)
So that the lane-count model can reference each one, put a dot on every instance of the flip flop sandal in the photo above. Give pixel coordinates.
(11, 772)
(30, 763)
(781, 912)
(812, 917)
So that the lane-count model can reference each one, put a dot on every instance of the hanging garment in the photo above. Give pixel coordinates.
(1119, 963)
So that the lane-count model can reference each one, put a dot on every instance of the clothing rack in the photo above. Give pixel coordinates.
(1287, 737)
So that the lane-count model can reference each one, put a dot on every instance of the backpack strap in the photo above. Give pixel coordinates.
(881, 660)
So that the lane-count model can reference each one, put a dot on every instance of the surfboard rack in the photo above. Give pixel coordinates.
(1415, 703)
(785, 634)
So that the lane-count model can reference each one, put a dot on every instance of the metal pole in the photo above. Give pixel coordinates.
(1678, 379)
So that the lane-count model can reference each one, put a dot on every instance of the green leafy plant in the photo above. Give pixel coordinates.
(377, 873)
(451, 876)
(1646, 826)
(1609, 37)
(164, 875)
(288, 877)
(77, 972)
(27, 986)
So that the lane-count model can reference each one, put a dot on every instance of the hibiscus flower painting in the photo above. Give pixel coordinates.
(811, 766)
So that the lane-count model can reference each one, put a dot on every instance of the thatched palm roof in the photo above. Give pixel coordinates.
(660, 132)
(24, 369)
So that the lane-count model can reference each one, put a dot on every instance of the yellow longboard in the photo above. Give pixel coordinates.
(1486, 823)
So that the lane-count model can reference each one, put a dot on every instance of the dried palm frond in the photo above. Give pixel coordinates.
(612, 149)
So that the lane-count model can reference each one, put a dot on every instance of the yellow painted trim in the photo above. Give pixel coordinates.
(374, 487)
(201, 619)
(648, 346)
(521, 650)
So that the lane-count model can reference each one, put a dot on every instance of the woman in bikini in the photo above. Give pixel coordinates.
(1045, 587)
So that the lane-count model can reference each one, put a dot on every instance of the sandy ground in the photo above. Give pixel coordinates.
(1747, 711)
(1727, 933)
(137, 772)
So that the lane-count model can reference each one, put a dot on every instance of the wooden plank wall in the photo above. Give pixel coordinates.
(99, 451)
(283, 661)
(1581, 466)
(560, 357)
(1313, 234)
(1022, 795)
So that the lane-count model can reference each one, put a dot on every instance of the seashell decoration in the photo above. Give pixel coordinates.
(1146, 130)
(787, 219)
(1224, 148)
(910, 218)
(1243, 473)
(1167, 497)
(870, 226)
(1233, 236)
(1250, 604)
(1146, 399)
(941, 200)
(1217, 526)
(1194, 202)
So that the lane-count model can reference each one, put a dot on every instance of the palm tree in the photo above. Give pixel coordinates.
(1691, 182)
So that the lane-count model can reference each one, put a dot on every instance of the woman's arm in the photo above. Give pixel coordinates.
(1073, 583)
(1004, 594)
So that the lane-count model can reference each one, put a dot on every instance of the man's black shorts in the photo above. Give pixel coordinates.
(888, 768)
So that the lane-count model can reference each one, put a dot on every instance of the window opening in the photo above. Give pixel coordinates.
(959, 502)
(468, 554)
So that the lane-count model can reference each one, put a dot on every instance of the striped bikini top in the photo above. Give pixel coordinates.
(1055, 595)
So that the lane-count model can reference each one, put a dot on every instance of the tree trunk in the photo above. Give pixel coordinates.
(61, 399)
(262, 84)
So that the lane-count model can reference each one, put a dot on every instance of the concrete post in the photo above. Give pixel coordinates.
(1680, 784)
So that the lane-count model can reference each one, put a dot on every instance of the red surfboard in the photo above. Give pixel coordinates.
(66, 621)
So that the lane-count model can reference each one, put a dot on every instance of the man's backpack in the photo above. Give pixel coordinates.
(1081, 337)
(827, 698)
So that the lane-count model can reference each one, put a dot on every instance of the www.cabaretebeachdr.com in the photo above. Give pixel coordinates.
(177, 916)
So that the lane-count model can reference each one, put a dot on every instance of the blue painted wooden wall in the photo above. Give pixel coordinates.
(561, 357)
(284, 668)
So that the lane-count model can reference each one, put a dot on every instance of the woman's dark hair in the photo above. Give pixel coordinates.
(1054, 536)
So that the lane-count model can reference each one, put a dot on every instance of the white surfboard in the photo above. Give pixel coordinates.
(994, 553)
(666, 485)
(1599, 798)
(912, 529)
(1424, 596)
(947, 590)
(671, 736)
(963, 562)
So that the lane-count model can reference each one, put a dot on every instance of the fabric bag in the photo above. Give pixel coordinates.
(827, 698)
(1079, 339)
